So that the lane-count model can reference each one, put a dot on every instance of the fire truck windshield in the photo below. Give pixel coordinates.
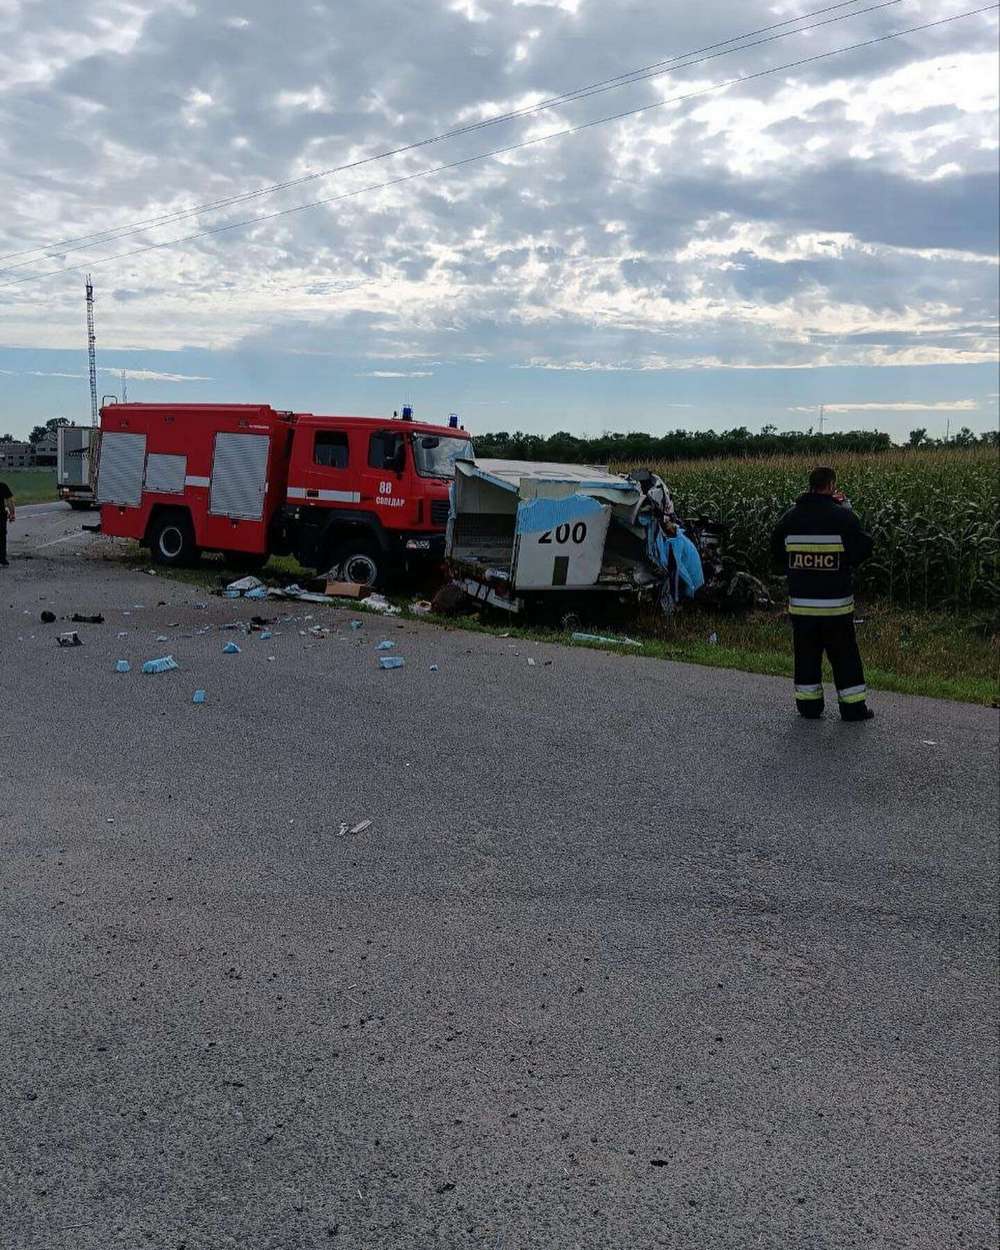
(435, 455)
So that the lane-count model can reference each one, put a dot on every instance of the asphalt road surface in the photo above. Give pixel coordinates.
(628, 957)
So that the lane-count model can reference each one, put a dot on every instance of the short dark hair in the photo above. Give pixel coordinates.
(822, 478)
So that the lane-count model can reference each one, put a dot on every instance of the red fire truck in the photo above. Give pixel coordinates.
(364, 495)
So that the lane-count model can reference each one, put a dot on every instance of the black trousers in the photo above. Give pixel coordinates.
(812, 635)
(3, 532)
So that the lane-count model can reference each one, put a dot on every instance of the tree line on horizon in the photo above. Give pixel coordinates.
(677, 444)
(38, 433)
(708, 444)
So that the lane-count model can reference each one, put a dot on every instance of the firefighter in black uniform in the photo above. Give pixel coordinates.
(819, 542)
(6, 514)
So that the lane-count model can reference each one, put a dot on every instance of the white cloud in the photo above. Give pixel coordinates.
(397, 373)
(153, 375)
(138, 375)
(902, 405)
(838, 214)
(39, 373)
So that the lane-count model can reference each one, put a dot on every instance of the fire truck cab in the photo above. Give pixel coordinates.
(365, 496)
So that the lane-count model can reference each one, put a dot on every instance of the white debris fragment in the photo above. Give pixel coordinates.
(379, 603)
(243, 584)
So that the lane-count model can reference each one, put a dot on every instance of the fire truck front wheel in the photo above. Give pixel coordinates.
(171, 539)
(359, 562)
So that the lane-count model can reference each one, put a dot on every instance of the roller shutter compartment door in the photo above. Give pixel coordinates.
(121, 467)
(239, 476)
(165, 474)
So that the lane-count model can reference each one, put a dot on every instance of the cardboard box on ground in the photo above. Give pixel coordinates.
(346, 590)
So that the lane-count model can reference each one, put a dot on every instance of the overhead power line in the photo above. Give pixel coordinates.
(644, 72)
(501, 151)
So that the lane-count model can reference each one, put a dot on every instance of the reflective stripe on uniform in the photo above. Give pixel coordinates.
(820, 546)
(828, 540)
(853, 694)
(808, 692)
(821, 607)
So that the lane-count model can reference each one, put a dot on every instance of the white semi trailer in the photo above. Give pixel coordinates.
(76, 464)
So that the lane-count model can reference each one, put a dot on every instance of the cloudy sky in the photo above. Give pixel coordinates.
(825, 233)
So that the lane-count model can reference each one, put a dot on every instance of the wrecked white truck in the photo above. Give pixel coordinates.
(525, 534)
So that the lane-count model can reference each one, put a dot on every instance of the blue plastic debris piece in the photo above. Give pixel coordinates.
(391, 661)
(123, 666)
(230, 594)
(355, 624)
(198, 697)
(264, 635)
(258, 592)
(230, 649)
(163, 665)
(385, 645)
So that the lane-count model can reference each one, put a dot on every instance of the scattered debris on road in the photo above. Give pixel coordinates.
(379, 603)
(385, 645)
(391, 661)
(243, 584)
(123, 666)
(295, 591)
(69, 639)
(345, 829)
(231, 648)
(78, 619)
(618, 642)
(199, 696)
(162, 665)
(48, 618)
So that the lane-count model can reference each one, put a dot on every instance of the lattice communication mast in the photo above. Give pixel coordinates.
(92, 351)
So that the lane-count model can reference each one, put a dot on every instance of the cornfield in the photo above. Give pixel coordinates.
(933, 516)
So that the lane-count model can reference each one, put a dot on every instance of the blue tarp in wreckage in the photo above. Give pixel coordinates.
(686, 562)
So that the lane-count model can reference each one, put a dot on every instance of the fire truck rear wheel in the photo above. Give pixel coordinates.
(172, 540)
(359, 563)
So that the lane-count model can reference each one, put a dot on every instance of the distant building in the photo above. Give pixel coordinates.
(16, 456)
(47, 448)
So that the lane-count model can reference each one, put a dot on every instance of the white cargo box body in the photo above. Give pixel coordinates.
(73, 459)
(534, 526)
(559, 542)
